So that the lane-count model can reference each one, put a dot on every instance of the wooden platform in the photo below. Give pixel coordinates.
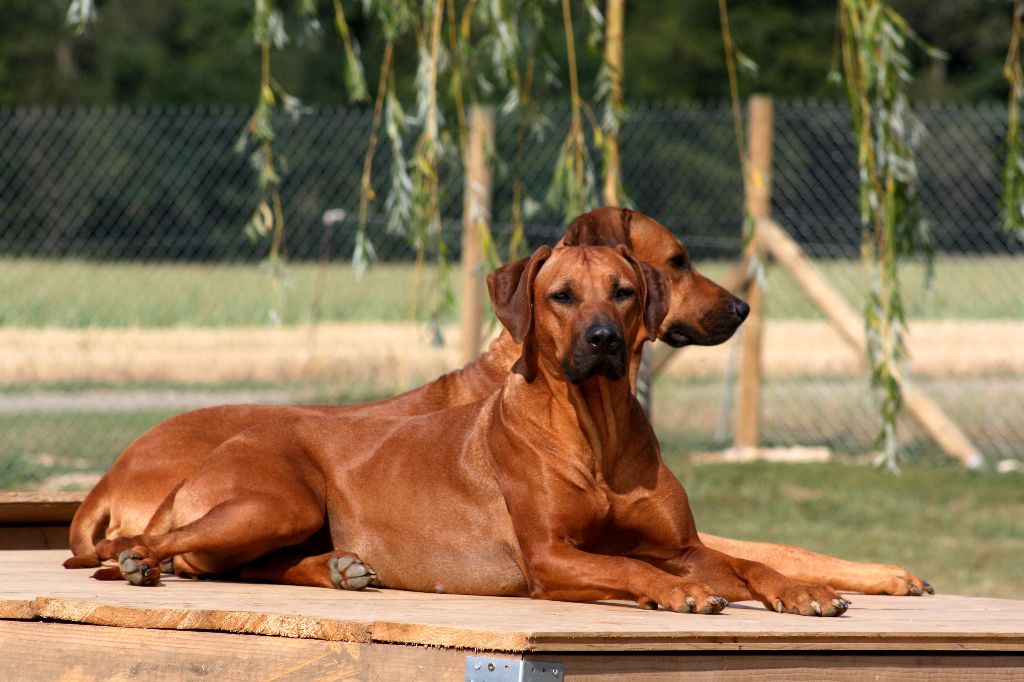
(54, 624)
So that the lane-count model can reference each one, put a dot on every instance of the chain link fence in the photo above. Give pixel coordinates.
(131, 293)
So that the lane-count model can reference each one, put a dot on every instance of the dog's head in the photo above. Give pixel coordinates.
(700, 311)
(579, 311)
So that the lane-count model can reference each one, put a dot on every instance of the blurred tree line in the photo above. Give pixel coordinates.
(201, 51)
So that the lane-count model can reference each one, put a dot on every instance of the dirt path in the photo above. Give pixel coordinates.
(402, 355)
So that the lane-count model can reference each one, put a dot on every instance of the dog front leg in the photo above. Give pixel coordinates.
(561, 571)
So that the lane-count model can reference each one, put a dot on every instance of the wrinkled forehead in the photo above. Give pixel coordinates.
(584, 266)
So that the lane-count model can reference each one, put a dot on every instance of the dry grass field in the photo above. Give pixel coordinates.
(395, 354)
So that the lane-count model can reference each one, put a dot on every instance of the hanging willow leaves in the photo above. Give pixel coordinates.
(363, 252)
(425, 229)
(80, 14)
(1013, 173)
(877, 72)
(258, 135)
(312, 31)
(574, 186)
(515, 50)
(495, 50)
(355, 79)
(733, 57)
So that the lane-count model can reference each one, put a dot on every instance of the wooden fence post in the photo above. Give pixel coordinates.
(476, 216)
(614, 12)
(757, 186)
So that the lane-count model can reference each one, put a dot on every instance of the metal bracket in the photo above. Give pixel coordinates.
(489, 669)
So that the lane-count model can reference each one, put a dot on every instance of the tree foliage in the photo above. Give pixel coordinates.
(875, 43)
(501, 51)
(199, 51)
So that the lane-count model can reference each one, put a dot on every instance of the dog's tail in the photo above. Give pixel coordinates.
(90, 524)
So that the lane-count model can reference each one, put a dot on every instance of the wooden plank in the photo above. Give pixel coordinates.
(850, 325)
(91, 653)
(476, 217)
(779, 666)
(39, 508)
(34, 585)
(758, 192)
(33, 537)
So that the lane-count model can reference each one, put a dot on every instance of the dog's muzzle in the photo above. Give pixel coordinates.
(600, 351)
(718, 326)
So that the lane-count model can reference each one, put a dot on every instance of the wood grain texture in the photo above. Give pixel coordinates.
(98, 653)
(476, 216)
(34, 585)
(757, 187)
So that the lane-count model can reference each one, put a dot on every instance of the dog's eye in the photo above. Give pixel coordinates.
(679, 262)
(561, 296)
(622, 293)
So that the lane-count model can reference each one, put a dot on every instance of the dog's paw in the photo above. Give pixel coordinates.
(898, 581)
(348, 572)
(809, 600)
(137, 568)
(690, 598)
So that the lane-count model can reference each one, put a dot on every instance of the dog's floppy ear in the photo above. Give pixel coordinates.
(654, 292)
(511, 290)
(600, 227)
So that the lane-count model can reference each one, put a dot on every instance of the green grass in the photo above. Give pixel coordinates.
(75, 293)
(35, 446)
(959, 529)
(971, 288)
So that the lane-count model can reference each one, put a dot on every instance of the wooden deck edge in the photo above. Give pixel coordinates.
(39, 508)
(233, 622)
(949, 643)
(514, 642)
(17, 609)
(385, 632)
(88, 652)
(96, 653)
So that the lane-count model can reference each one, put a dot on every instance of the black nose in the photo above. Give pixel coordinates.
(604, 337)
(739, 308)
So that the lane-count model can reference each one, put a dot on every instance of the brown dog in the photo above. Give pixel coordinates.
(552, 487)
(124, 500)
(700, 312)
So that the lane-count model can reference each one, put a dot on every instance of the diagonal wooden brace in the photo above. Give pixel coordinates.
(787, 253)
